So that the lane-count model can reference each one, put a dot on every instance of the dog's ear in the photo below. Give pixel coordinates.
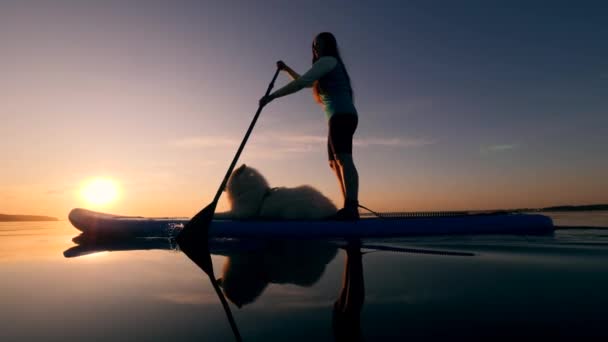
(240, 169)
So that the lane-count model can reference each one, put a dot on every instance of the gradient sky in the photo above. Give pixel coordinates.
(463, 104)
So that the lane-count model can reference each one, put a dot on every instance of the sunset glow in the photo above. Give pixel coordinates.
(100, 191)
(457, 111)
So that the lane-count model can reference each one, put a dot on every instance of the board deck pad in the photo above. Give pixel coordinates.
(101, 224)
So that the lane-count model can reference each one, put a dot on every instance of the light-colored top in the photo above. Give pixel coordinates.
(336, 96)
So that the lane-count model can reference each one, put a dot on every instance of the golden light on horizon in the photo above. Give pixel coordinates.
(100, 191)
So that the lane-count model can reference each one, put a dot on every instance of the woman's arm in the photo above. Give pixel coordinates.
(318, 70)
(294, 75)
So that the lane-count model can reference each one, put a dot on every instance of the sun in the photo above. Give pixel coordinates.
(100, 191)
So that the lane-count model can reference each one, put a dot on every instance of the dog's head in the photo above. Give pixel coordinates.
(245, 179)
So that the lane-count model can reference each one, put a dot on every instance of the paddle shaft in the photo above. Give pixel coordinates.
(238, 153)
(203, 218)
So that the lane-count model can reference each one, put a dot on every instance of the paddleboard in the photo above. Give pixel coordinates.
(102, 224)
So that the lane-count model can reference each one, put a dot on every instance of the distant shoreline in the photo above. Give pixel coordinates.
(26, 218)
(564, 208)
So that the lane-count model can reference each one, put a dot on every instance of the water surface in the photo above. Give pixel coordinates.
(517, 286)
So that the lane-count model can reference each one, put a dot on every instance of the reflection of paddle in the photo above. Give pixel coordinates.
(200, 256)
(193, 239)
(378, 248)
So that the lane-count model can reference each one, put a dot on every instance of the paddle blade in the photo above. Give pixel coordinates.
(193, 240)
(197, 249)
(199, 224)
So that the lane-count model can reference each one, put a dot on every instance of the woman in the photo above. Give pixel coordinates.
(332, 89)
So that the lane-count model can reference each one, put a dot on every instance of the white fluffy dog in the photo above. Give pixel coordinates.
(251, 197)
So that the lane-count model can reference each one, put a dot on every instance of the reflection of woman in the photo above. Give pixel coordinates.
(332, 89)
(347, 309)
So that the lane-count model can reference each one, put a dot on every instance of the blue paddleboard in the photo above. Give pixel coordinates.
(101, 224)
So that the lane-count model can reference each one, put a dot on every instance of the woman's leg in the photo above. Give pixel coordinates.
(340, 144)
(349, 176)
(334, 165)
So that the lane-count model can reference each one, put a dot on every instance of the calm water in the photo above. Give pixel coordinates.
(521, 286)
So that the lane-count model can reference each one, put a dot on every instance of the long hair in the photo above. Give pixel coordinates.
(326, 45)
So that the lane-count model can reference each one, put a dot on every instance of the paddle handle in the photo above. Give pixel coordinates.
(238, 153)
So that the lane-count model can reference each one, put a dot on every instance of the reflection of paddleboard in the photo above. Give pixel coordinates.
(86, 245)
(100, 224)
(225, 246)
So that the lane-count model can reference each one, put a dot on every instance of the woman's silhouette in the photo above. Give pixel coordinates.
(332, 89)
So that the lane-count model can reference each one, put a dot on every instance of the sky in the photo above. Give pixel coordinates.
(462, 105)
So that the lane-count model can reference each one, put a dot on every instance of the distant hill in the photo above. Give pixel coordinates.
(23, 218)
(592, 207)
(564, 208)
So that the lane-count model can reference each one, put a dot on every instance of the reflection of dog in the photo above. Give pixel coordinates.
(246, 274)
(250, 196)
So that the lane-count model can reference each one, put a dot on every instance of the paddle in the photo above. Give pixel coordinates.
(193, 239)
(198, 226)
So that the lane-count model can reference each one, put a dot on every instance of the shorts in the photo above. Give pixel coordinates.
(340, 138)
